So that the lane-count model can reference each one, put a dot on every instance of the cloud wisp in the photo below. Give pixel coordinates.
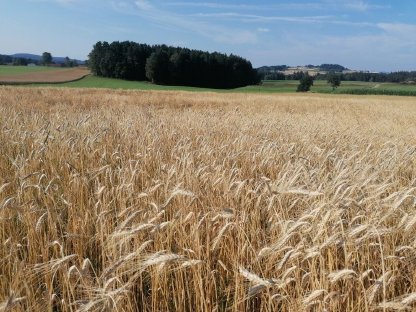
(170, 20)
(364, 6)
(250, 7)
(61, 2)
(262, 18)
(303, 31)
(352, 5)
(251, 18)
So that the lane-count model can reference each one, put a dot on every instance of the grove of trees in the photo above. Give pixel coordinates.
(162, 64)
(46, 58)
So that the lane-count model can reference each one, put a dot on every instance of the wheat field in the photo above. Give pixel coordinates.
(180, 201)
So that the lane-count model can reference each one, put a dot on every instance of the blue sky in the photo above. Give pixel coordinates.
(372, 35)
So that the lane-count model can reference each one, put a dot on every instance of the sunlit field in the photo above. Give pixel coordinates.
(11, 75)
(186, 201)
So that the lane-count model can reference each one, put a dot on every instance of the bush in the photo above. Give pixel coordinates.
(305, 83)
(334, 80)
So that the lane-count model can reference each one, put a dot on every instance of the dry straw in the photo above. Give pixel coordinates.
(176, 201)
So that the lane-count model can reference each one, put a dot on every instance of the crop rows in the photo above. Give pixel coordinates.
(175, 201)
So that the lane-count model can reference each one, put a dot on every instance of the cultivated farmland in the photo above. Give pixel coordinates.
(25, 74)
(184, 201)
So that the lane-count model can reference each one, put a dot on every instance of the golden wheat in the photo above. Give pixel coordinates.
(179, 201)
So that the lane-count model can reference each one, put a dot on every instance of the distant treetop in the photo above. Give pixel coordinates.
(270, 69)
(332, 68)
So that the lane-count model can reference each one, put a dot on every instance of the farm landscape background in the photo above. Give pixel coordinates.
(174, 165)
(79, 77)
(183, 201)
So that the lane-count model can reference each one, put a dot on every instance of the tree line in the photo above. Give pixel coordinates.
(281, 76)
(394, 77)
(16, 61)
(46, 59)
(298, 75)
(167, 65)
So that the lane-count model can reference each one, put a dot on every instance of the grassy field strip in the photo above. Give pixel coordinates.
(70, 78)
(267, 87)
(285, 86)
(116, 200)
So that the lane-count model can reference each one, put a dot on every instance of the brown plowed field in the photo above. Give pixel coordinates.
(53, 76)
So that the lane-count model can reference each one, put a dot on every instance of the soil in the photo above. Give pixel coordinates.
(53, 76)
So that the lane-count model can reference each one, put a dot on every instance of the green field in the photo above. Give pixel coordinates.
(280, 86)
(270, 86)
(14, 70)
(110, 83)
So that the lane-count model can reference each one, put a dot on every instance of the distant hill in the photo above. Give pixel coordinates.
(282, 72)
(283, 68)
(35, 57)
(26, 56)
(332, 67)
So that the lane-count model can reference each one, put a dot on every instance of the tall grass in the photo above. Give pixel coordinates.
(376, 91)
(174, 201)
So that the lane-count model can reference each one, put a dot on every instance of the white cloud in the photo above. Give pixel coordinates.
(358, 6)
(236, 37)
(212, 5)
(261, 18)
(251, 18)
(60, 2)
(355, 5)
(399, 29)
(251, 7)
(143, 5)
(263, 30)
